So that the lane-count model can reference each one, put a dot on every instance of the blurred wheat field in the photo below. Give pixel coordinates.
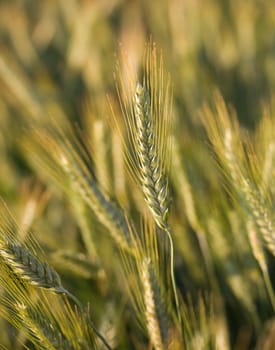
(137, 163)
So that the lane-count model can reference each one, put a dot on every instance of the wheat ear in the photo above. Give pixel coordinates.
(108, 213)
(66, 163)
(258, 252)
(29, 268)
(42, 330)
(154, 181)
(260, 212)
(154, 310)
(25, 264)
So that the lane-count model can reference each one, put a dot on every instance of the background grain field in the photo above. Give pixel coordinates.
(137, 163)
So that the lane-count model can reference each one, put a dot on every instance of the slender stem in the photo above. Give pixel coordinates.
(78, 303)
(172, 273)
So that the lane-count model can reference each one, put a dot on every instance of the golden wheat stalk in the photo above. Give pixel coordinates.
(147, 112)
(152, 177)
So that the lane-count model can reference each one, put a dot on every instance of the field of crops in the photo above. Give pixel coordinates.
(137, 165)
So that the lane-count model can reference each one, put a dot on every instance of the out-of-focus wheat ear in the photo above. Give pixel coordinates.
(185, 192)
(108, 213)
(29, 267)
(258, 252)
(224, 133)
(65, 161)
(108, 326)
(37, 336)
(78, 264)
(34, 200)
(153, 180)
(21, 258)
(96, 140)
(222, 249)
(155, 314)
(260, 210)
(42, 331)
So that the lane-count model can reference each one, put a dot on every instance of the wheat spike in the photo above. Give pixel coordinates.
(29, 267)
(108, 213)
(154, 310)
(34, 331)
(66, 163)
(146, 108)
(41, 330)
(22, 257)
(153, 180)
(259, 208)
(22, 261)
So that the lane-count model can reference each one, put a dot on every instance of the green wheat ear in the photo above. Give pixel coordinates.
(153, 180)
(146, 109)
(64, 160)
(21, 259)
(29, 267)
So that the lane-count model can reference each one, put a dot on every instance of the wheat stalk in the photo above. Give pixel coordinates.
(147, 111)
(152, 177)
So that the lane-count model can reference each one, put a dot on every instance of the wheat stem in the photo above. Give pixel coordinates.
(172, 273)
(91, 324)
